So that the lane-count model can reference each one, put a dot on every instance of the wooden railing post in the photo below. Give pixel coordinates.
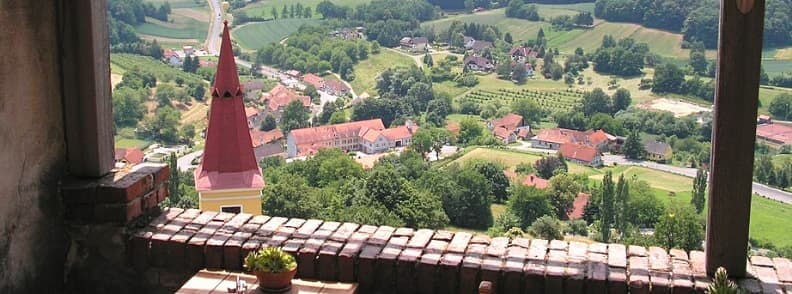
(733, 134)
(85, 55)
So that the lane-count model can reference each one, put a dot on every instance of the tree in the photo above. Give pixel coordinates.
(528, 109)
(781, 106)
(285, 12)
(547, 166)
(546, 227)
(528, 204)
(469, 131)
(699, 190)
(601, 121)
(128, 107)
(467, 202)
(621, 100)
(596, 102)
(563, 190)
(498, 181)
(764, 169)
(274, 12)
(508, 38)
(422, 141)
(268, 123)
(620, 205)
(337, 118)
(162, 126)
(164, 95)
(698, 59)
(679, 227)
(428, 60)
(311, 91)
(294, 116)
(668, 79)
(289, 198)
(633, 148)
(607, 208)
(644, 209)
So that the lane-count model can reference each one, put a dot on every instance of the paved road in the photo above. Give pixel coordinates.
(185, 162)
(760, 189)
(215, 28)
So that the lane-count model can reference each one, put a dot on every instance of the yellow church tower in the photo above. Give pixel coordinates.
(229, 178)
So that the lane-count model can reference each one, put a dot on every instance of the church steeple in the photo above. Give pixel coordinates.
(228, 161)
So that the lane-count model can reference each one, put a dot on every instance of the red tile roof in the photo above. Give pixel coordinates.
(397, 133)
(502, 133)
(311, 136)
(251, 111)
(336, 86)
(130, 155)
(579, 152)
(511, 121)
(523, 51)
(598, 137)
(453, 128)
(563, 136)
(261, 137)
(317, 81)
(534, 181)
(579, 206)
(228, 161)
(524, 133)
(280, 96)
(775, 132)
(370, 135)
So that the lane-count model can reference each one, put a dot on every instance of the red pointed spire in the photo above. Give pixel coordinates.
(228, 160)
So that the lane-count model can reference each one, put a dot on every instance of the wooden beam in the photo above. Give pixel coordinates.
(733, 135)
(85, 57)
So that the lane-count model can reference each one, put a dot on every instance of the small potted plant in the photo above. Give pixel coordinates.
(274, 268)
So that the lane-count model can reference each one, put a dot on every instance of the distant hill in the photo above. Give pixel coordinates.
(449, 4)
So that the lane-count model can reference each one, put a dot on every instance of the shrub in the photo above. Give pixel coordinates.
(546, 227)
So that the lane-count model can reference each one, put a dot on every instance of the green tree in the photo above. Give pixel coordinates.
(274, 12)
(562, 191)
(547, 166)
(596, 102)
(620, 205)
(781, 106)
(518, 74)
(469, 131)
(699, 190)
(422, 141)
(698, 59)
(633, 148)
(428, 60)
(468, 201)
(621, 100)
(546, 227)
(524, 168)
(764, 169)
(508, 38)
(602, 121)
(668, 79)
(289, 198)
(164, 94)
(644, 207)
(528, 204)
(294, 116)
(162, 126)
(311, 91)
(173, 182)
(607, 207)
(528, 109)
(128, 107)
(268, 123)
(337, 118)
(498, 181)
(679, 227)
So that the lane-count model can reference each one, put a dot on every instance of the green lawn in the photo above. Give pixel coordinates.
(264, 8)
(121, 62)
(130, 143)
(657, 179)
(770, 221)
(767, 94)
(450, 88)
(366, 71)
(253, 36)
(180, 27)
(510, 158)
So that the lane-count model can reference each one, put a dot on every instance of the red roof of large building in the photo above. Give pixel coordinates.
(563, 136)
(130, 155)
(579, 206)
(317, 81)
(332, 132)
(511, 121)
(579, 152)
(777, 133)
(280, 96)
(228, 160)
(251, 111)
(261, 137)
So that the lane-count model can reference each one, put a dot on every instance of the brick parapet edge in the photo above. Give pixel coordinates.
(403, 260)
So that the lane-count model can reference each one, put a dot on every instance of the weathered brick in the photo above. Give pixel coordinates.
(420, 239)
(538, 250)
(513, 270)
(162, 193)
(121, 213)
(600, 248)
(285, 231)
(443, 235)
(768, 280)
(271, 226)
(758, 260)
(327, 262)
(177, 246)
(498, 247)
(381, 236)
(436, 246)
(346, 261)
(399, 242)
(460, 242)
(194, 253)
(469, 273)
(366, 264)
(306, 258)
(249, 246)
(596, 277)
(214, 250)
(678, 254)
(321, 234)
(344, 232)
(149, 200)
(259, 220)
(427, 273)
(633, 250)
(555, 272)
(521, 242)
(491, 270)
(481, 239)
(385, 268)
(294, 223)
(369, 229)
(639, 274)
(79, 190)
(159, 248)
(403, 232)
(449, 271)
(535, 276)
(292, 246)
(359, 237)
(575, 273)
(277, 240)
(141, 242)
(558, 245)
(232, 251)
(617, 256)
(201, 220)
(122, 187)
(658, 259)
(617, 280)
(750, 285)
(661, 281)
(167, 215)
(476, 250)
(578, 251)
(682, 277)
(406, 270)
(330, 226)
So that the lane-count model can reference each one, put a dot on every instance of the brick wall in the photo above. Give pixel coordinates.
(402, 260)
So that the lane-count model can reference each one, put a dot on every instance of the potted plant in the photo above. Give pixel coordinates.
(274, 268)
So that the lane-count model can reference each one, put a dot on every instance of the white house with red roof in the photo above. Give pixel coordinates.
(556, 137)
(581, 154)
(509, 128)
(368, 136)
(312, 79)
(280, 96)
(128, 156)
(229, 178)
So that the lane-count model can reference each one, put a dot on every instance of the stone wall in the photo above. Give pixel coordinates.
(32, 149)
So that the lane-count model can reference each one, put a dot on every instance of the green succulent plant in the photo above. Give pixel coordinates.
(721, 284)
(270, 260)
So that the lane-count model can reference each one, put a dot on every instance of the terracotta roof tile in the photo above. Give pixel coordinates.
(579, 152)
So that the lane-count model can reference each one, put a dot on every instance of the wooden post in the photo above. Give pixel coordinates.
(734, 134)
(85, 55)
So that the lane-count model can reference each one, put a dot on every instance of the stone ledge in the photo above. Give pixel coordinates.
(119, 197)
(403, 260)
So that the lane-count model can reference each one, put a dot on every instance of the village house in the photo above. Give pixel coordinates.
(531, 180)
(774, 134)
(267, 143)
(477, 46)
(128, 156)
(581, 154)
(658, 151)
(368, 136)
(523, 53)
(253, 117)
(529, 70)
(477, 63)
(417, 44)
(556, 137)
(280, 96)
(172, 57)
(312, 79)
(335, 88)
(509, 128)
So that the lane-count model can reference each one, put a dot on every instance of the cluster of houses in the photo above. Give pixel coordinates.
(415, 44)
(581, 147)
(509, 128)
(477, 61)
(175, 57)
(368, 136)
(348, 33)
(332, 86)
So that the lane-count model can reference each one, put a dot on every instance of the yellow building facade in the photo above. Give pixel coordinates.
(233, 201)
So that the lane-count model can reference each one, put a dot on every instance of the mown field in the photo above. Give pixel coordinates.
(179, 27)
(123, 62)
(264, 8)
(510, 158)
(366, 71)
(253, 36)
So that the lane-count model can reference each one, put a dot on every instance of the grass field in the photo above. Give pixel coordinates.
(767, 94)
(450, 88)
(121, 142)
(180, 27)
(253, 36)
(366, 71)
(165, 73)
(510, 158)
(264, 8)
(662, 180)
(179, 3)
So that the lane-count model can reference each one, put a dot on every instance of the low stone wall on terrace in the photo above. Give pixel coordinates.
(384, 259)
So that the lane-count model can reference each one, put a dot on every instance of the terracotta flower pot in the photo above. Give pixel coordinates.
(275, 281)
